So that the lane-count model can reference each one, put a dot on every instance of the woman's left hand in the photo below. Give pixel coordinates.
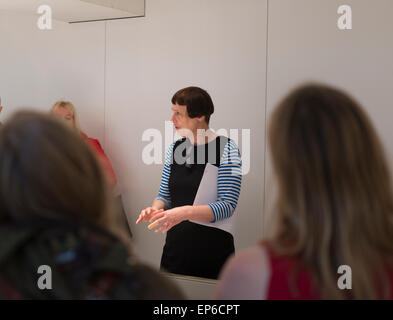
(167, 219)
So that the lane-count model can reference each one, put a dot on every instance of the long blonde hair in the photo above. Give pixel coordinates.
(70, 107)
(335, 200)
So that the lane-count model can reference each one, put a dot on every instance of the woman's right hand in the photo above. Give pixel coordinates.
(147, 214)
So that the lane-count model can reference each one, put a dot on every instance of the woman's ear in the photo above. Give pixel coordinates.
(202, 119)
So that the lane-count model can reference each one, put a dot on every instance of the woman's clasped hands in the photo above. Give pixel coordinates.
(162, 220)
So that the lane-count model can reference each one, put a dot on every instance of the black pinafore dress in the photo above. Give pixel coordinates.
(190, 248)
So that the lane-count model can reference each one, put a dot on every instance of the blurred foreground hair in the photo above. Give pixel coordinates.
(48, 171)
(335, 200)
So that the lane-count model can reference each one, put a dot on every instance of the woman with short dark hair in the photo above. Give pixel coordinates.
(199, 231)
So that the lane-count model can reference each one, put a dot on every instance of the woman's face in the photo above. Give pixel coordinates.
(65, 115)
(183, 124)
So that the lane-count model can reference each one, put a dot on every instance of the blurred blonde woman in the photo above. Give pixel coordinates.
(334, 206)
(66, 111)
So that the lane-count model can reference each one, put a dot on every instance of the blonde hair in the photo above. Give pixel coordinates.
(68, 106)
(335, 200)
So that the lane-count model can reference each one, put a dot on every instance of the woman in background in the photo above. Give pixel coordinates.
(66, 111)
(334, 207)
(55, 212)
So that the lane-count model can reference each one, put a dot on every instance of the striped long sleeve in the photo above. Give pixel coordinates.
(229, 182)
(163, 192)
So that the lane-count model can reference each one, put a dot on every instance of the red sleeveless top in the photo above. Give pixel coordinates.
(286, 277)
(282, 268)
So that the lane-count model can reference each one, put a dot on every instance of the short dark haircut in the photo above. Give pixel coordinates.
(198, 102)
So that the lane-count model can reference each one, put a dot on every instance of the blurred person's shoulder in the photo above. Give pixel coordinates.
(125, 277)
(95, 143)
(246, 275)
(89, 261)
(125, 280)
(153, 285)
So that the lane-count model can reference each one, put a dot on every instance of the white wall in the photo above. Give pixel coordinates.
(305, 44)
(39, 67)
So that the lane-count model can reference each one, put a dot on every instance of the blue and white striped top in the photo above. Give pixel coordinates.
(228, 181)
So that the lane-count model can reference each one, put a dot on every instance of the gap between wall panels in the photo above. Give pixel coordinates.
(105, 51)
(264, 213)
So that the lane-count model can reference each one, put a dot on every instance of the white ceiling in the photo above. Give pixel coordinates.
(79, 10)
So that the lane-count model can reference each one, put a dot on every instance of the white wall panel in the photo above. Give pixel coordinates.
(39, 67)
(305, 44)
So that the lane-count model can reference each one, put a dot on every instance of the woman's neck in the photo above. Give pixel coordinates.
(203, 136)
